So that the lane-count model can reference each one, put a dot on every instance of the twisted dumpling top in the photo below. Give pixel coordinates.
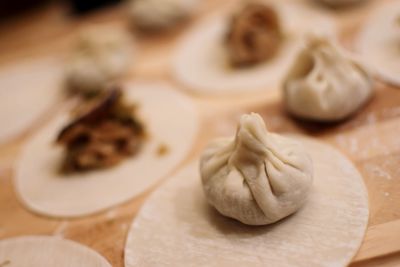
(258, 177)
(324, 84)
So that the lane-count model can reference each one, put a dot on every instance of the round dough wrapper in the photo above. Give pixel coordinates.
(379, 42)
(176, 226)
(27, 91)
(33, 251)
(170, 120)
(200, 61)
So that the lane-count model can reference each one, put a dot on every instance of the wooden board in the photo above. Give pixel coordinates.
(370, 138)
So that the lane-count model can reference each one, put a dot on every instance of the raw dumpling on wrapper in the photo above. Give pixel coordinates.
(101, 55)
(325, 84)
(258, 177)
(247, 48)
(160, 14)
(255, 35)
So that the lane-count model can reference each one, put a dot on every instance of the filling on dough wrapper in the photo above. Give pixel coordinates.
(258, 177)
(104, 133)
(254, 35)
(100, 55)
(154, 15)
(324, 84)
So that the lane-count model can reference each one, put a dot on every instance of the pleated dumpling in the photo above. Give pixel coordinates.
(101, 55)
(257, 177)
(325, 84)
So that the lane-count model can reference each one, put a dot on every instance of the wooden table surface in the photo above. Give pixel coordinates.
(370, 138)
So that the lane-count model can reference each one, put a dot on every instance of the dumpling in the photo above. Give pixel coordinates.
(101, 54)
(257, 177)
(324, 84)
(160, 14)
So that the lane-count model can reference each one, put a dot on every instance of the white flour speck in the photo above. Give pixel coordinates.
(378, 172)
(386, 194)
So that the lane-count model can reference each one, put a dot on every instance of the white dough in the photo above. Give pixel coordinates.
(177, 227)
(101, 55)
(257, 177)
(379, 42)
(160, 14)
(170, 120)
(201, 62)
(27, 91)
(325, 84)
(46, 251)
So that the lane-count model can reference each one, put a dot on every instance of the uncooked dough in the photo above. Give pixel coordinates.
(201, 64)
(171, 122)
(102, 54)
(379, 42)
(160, 14)
(34, 251)
(27, 91)
(325, 84)
(177, 227)
(257, 177)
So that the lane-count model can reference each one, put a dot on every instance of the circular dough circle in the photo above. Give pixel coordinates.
(176, 226)
(379, 43)
(33, 251)
(200, 60)
(27, 91)
(170, 119)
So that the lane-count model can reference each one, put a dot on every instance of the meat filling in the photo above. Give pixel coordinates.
(254, 35)
(105, 133)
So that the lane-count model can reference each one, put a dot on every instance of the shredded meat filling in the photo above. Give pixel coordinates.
(254, 35)
(103, 135)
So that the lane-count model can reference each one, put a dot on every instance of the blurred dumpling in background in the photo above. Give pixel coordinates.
(257, 177)
(325, 84)
(247, 48)
(154, 15)
(100, 55)
(379, 42)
